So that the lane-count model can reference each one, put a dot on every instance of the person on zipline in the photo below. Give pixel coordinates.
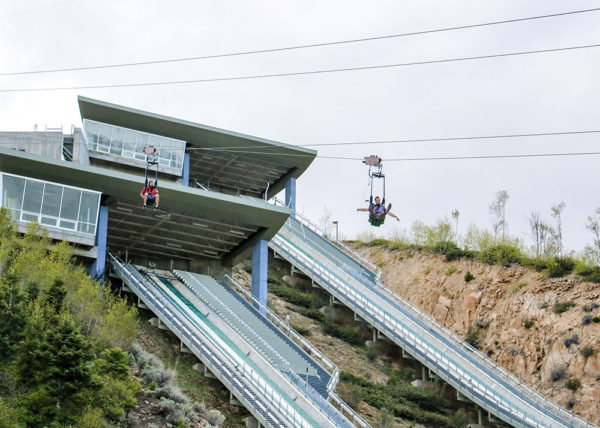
(378, 212)
(149, 194)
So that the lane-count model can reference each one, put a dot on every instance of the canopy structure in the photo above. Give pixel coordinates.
(220, 160)
(193, 223)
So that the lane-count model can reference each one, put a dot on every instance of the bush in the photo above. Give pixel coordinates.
(589, 307)
(304, 331)
(587, 319)
(350, 393)
(469, 276)
(559, 266)
(588, 273)
(587, 351)
(214, 417)
(573, 384)
(479, 323)
(312, 313)
(290, 294)
(460, 419)
(172, 393)
(349, 334)
(528, 323)
(560, 307)
(451, 270)
(379, 242)
(502, 254)
(385, 419)
(596, 319)
(544, 305)
(558, 372)
(473, 337)
(573, 340)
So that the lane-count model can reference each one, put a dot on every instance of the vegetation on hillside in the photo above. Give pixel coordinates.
(62, 338)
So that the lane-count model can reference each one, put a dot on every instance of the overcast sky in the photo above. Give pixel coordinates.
(549, 92)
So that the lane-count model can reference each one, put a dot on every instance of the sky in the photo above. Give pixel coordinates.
(549, 92)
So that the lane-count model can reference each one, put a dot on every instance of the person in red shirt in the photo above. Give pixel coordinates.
(150, 194)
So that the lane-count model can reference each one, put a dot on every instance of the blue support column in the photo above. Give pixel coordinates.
(186, 169)
(260, 266)
(97, 269)
(290, 193)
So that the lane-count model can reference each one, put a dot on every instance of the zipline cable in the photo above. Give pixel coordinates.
(300, 73)
(290, 48)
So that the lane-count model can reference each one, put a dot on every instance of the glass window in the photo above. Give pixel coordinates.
(91, 131)
(70, 204)
(86, 228)
(32, 201)
(29, 217)
(116, 143)
(12, 194)
(47, 221)
(52, 196)
(67, 224)
(129, 143)
(89, 207)
(104, 138)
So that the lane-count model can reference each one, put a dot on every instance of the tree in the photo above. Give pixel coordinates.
(498, 210)
(56, 295)
(556, 213)
(593, 225)
(535, 226)
(455, 215)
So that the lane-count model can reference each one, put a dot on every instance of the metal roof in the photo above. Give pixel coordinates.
(221, 160)
(192, 223)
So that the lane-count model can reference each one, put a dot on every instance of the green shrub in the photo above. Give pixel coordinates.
(544, 305)
(558, 372)
(304, 331)
(290, 294)
(349, 334)
(460, 419)
(451, 270)
(518, 285)
(596, 319)
(573, 384)
(313, 313)
(589, 307)
(587, 351)
(573, 340)
(587, 272)
(469, 276)
(473, 337)
(379, 242)
(587, 319)
(559, 266)
(528, 323)
(215, 417)
(502, 254)
(561, 307)
(481, 323)
(350, 393)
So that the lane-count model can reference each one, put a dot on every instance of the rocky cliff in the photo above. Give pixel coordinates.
(545, 331)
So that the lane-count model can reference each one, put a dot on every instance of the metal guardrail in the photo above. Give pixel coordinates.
(220, 362)
(346, 248)
(286, 329)
(421, 348)
(302, 385)
(472, 353)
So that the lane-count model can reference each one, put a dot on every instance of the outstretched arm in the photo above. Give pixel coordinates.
(393, 215)
(362, 209)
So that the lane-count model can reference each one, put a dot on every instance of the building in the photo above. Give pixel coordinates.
(214, 188)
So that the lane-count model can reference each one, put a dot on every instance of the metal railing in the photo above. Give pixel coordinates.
(353, 299)
(211, 350)
(344, 247)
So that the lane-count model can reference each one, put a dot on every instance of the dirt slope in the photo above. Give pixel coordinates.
(507, 300)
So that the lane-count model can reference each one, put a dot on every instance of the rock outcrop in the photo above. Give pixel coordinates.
(514, 311)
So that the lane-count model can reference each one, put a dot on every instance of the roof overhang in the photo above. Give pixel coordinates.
(254, 155)
(252, 218)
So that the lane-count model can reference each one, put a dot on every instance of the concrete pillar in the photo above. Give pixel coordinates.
(185, 178)
(260, 266)
(290, 193)
(97, 269)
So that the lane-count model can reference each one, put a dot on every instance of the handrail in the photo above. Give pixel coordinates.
(286, 411)
(309, 392)
(311, 225)
(290, 331)
(545, 407)
(513, 380)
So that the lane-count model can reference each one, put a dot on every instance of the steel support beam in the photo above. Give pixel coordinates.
(260, 265)
(97, 269)
(290, 193)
